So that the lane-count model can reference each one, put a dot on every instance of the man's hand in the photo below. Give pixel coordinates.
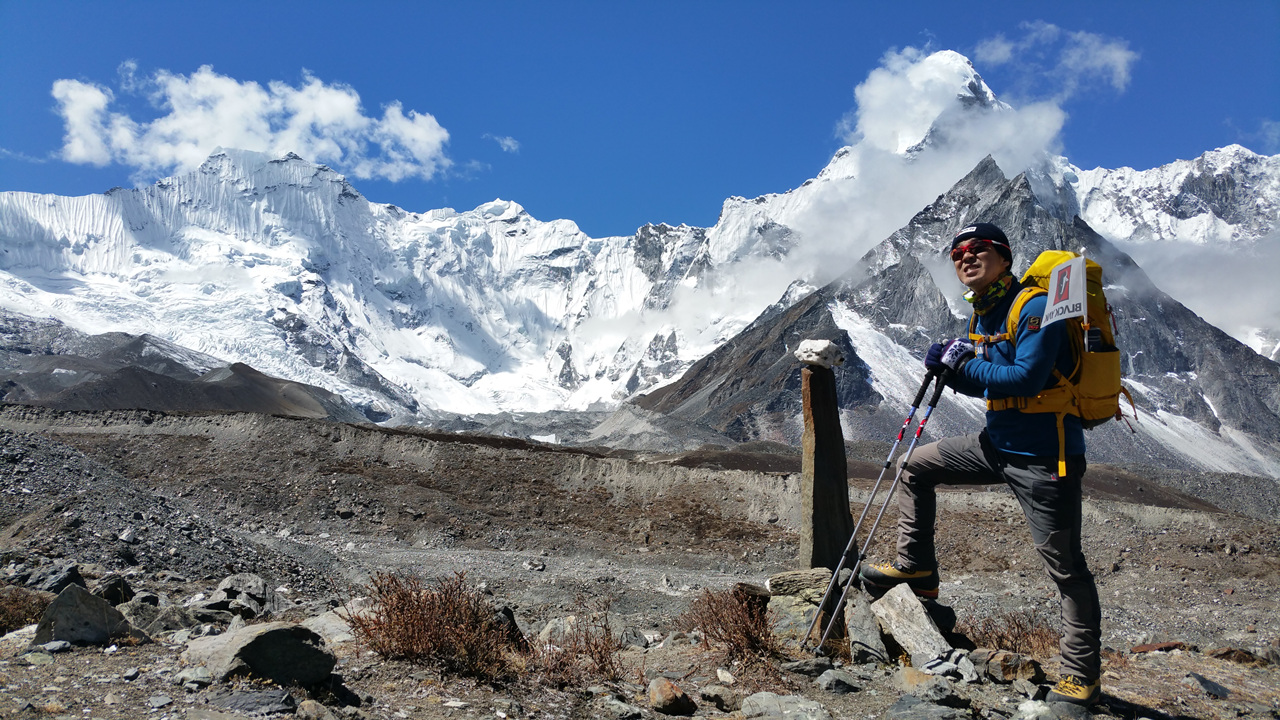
(933, 358)
(956, 353)
(949, 355)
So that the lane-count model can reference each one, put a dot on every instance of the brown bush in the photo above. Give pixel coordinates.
(19, 608)
(1022, 631)
(456, 630)
(589, 650)
(450, 626)
(736, 621)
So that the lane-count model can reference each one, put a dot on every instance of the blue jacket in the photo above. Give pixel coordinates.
(1023, 372)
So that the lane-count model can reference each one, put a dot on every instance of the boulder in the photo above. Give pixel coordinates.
(282, 652)
(865, 643)
(331, 626)
(667, 698)
(930, 688)
(254, 703)
(813, 667)
(170, 619)
(114, 589)
(838, 681)
(246, 595)
(56, 577)
(791, 707)
(810, 584)
(793, 616)
(724, 699)
(84, 619)
(903, 617)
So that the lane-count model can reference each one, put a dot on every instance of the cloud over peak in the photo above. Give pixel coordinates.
(320, 121)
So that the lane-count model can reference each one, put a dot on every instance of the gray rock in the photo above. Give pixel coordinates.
(56, 646)
(632, 637)
(35, 658)
(159, 701)
(196, 675)
(207, 714)
(246, 595)
(1029, 689)
(813, 667)
(772, 706)
(556, 630)
(838, 681)
(902, 616)
(56, 577)
(331, 627)
(724, 699)
(83, 619)
(114, 589)
(254, 703)
(793, 616)
(614, 708)
(282, 652)
(169, 619)
(865, 643)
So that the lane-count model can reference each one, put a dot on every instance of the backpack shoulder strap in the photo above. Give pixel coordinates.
(1026, 295)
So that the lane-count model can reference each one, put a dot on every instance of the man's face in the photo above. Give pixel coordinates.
(977, 263)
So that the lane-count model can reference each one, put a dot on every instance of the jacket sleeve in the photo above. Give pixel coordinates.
(1035, 356)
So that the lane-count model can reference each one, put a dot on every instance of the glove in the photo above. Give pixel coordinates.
(956, 353)
(933, 358)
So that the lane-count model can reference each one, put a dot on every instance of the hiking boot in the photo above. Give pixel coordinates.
(886, 575)
(1076, 690)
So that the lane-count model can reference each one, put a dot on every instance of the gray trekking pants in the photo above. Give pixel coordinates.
(1051, 506)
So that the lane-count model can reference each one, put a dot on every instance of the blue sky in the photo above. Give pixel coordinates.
(609, 114)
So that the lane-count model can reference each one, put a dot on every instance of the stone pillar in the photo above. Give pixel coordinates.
(826, 522)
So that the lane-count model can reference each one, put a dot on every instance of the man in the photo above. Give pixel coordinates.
(1017, 448)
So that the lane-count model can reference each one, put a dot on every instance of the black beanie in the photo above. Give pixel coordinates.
(985, 231)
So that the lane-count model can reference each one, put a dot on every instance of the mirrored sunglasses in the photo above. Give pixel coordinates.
(974, 246)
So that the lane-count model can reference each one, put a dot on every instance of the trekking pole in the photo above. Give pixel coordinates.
(853, 539)
(933, 402)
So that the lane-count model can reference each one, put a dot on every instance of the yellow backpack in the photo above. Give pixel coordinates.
(1092, 390)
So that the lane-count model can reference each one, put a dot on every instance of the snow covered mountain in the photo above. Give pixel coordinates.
(1206, 402)
(283, 265)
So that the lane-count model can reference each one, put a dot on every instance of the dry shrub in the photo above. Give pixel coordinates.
(736, 621)
(450, 626)
(589, 650)
(20, 607)
(1022, 631)
(456, 630)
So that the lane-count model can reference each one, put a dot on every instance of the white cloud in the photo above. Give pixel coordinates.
(508, 144)
(1087, 55)
(83, 109)
(1181, 271)
(1269, 135)
(1058, 63)
(994, 51)
(320, 121)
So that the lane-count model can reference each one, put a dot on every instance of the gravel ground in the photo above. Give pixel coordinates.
(315, 508)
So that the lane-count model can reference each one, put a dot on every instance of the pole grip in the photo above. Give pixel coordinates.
(943, 379)
(924, 387)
